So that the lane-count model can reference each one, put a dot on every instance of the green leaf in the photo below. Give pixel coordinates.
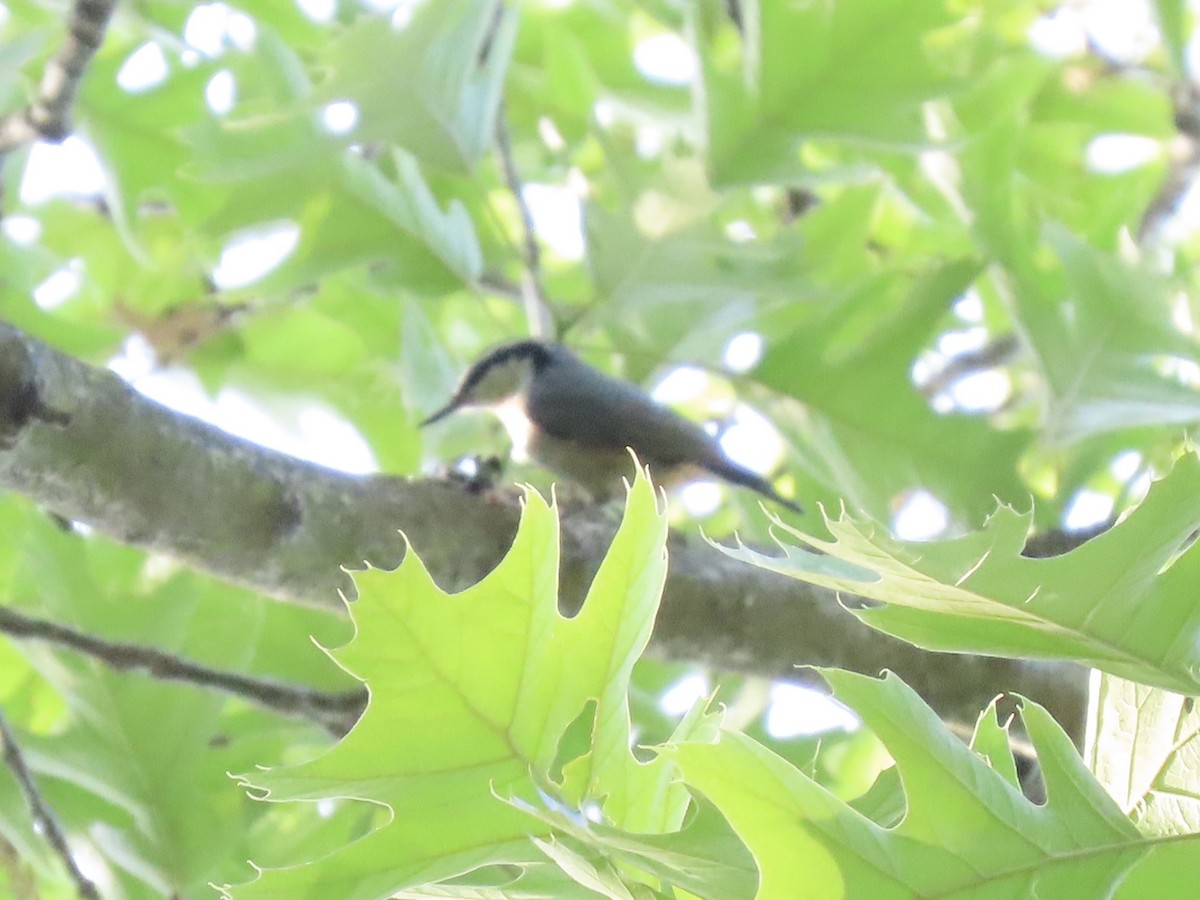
(1143, 745)
(1123, 602)
(434, 97)
(15, 53)
(142, 142)
(595, 876)
(847, 71)
(301, 340)
(990, 740)
(693, 281)
(1029, 125)
(704, 857)
(348, 211)
(1106, 344)
(870, 432)
(968, 832)
(137, 768)
(470, 695)
(1122, 105)
(1172, 23)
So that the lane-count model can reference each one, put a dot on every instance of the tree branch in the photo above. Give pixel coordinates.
(335, 712)
(1183, 161)
(537, 306)
(45, 822)
(49, 116)
(991, 355)
(495, 283)
(150, 477)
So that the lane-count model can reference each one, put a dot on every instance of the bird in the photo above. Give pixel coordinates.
(580, 423)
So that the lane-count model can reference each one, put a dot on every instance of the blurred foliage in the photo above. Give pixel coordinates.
(960, 302)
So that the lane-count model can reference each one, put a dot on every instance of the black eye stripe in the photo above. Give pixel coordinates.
(534, 351)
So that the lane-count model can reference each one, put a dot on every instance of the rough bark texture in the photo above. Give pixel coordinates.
(86, 446)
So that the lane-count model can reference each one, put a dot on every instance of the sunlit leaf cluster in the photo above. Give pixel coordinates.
(953, 241)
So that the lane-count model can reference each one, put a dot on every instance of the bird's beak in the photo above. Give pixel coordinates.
(446, 410)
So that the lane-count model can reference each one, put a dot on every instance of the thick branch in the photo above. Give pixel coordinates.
(147, 476)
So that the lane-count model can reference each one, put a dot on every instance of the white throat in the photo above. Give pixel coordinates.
(512, 414)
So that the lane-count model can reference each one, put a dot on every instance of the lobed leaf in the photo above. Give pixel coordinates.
(967, 832)
(1123, 602)
(470, 695)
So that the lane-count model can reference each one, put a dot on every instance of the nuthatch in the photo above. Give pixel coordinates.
(576, 421)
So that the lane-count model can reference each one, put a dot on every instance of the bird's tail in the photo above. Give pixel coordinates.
(736, 474)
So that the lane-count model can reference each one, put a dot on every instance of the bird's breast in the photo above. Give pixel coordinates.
(598, 470)
(515, 419)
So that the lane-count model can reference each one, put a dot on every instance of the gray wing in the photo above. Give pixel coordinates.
(574, 402)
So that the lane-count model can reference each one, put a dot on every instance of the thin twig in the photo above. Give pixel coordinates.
(1182, 153)
(495, 283)
(1183, 165)
(991, 355)
(1183, 161)
(536, 305)
(335, 712)
(49, 116)
(44, 820)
